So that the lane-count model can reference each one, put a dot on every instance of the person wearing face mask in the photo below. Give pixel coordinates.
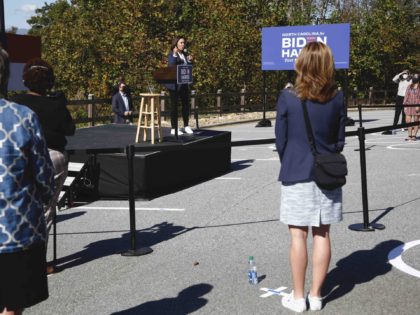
(403, 81)
(179, 56)
(122, 105)
(412, 97)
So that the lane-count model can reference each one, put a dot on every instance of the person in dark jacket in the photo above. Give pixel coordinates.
(179, 56)
(56, 123)
(122, 105)
(303, 203)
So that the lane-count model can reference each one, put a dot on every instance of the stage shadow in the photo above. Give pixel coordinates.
(357, 268)
(240, 165)
(188, 301)
(147, 237)
(67, 216)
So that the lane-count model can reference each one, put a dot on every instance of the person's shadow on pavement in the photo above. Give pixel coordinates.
(145, 237)
(359, 267)
(188, 301)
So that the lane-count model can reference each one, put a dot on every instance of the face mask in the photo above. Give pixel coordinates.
(415, 80)
(405, 76)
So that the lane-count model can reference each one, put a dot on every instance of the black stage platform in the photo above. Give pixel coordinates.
(158, 168)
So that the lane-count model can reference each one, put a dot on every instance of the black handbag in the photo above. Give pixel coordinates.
(330, 169)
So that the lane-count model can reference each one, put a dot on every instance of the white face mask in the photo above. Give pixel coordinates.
(405, 76)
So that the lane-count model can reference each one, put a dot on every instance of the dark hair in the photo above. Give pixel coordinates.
(38, 76)
(175, 41)
(4, 72)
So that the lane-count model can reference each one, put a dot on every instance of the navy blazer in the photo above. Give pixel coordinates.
(173, 61)
(118, 108)
(328, 126)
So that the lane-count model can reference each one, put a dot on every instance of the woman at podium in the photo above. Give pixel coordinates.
(179, 56)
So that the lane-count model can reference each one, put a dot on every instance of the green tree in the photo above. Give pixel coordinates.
(91, 43)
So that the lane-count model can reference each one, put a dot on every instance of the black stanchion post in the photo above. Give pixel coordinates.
(359, 108)
(2, 26)
(365, 226)
(133, 251)
(55, 237)
(264, 122)
(349, 121)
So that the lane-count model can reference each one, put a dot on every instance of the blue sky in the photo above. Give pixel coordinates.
(16, 12)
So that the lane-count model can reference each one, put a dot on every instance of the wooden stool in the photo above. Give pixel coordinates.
(150, 112)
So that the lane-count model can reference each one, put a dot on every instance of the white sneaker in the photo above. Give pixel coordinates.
(179, 132)
(296, 305)
(188, 130)
(315, 303)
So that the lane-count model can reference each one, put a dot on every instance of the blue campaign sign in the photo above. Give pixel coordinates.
(184, 74)
(281, 45)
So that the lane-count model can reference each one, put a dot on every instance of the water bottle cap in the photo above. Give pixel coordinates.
(251, 258)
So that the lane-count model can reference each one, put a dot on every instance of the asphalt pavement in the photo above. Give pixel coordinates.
(202, 236)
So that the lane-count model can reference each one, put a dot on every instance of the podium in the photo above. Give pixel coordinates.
(166, 75)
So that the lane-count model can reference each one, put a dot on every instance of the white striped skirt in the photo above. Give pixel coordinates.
(305, 204)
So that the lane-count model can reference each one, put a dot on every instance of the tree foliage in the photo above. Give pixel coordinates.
(91, 43)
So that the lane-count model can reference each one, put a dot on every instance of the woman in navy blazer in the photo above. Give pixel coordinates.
(179, 56)
(303, 203)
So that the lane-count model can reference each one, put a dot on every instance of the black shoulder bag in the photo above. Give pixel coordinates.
(330, 169)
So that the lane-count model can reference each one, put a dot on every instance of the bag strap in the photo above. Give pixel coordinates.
(309, 128)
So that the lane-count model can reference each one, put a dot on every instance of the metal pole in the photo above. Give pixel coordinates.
(264, 94)
(365, 226)
(264, 122)
(130, 157)
(133, 251)
(2, 26)
(349, 121)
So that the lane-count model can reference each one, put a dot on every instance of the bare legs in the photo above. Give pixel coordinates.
(407, 121)
(415, 128)
(321, 256)
(298, 258)
(6, 312)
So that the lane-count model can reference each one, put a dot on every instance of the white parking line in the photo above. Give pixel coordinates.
(127, 208)
(395, 258)
(229, 178)
(398, 146)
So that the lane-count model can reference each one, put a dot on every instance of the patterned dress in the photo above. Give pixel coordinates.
(26, 178)
(412, 97)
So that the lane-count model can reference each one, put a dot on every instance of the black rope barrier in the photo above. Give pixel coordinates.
(131, 149)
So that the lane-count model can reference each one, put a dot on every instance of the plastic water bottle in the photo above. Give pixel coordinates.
(252, 271)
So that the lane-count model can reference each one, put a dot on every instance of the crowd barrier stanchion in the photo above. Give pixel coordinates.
(359, 108)
(133, 251)
(55, 238)
(264, 122)
(365, 226)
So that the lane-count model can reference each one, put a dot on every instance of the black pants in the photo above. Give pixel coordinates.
(398, 110)
(184, 96)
